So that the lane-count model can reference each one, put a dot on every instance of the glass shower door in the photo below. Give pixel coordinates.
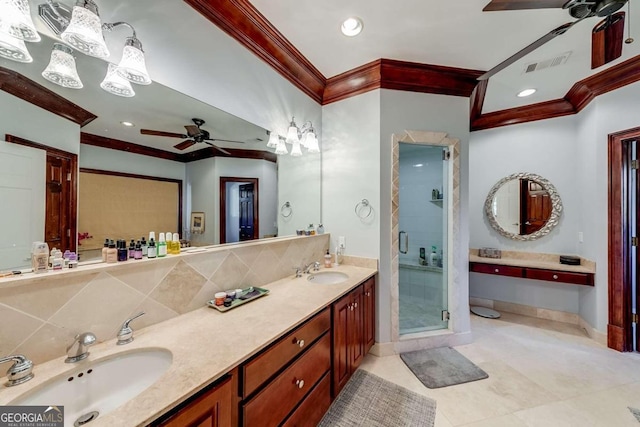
(423, 225)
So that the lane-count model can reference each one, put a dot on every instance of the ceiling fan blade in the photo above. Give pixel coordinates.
(527, 50)
(193, 130)
(162, 133)
(222, 150)
(224, 140)
(606, 40)
(497, 5)
(184, 144)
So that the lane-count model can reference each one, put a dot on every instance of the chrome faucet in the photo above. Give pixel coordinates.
(307, 268)
(79, 349)
(125, 335)
(20, 371)
(298, 271)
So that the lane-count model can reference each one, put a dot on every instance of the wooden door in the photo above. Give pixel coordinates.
(210, 409)
(356, 323)
(246, 212)
(60, 223)
(369, 314)
(341, 354)
(535, 206)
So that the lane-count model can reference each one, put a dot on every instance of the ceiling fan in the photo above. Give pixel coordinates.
(194, 135)
(607, 35)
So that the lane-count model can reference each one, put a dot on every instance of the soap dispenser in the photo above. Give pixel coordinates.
(433, 257)
(327, 259)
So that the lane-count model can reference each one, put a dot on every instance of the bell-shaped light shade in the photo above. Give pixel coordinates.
(85, 31)
(132, 65)
(312, 143)
(292, 133)
(13, 49)
(295, 150)
(273, 140)
(282, 147)
(15, 20)
(115, 84)
(62, 68)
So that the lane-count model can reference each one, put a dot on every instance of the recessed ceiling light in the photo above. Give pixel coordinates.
(526, 92)
(352, 26)
(418, 165)
(128, 124)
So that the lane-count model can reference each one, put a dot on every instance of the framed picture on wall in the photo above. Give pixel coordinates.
(197, 222)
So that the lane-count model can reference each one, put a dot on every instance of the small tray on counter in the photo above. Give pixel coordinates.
(237, 301)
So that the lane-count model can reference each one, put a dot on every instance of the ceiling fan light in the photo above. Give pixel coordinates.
(115, 84)
(132, 66)
(312, 143)
(84, 32)
(295, 150)
(273, 140)
(13, 49)
(281, 148)
(62, 68)
(15, 20)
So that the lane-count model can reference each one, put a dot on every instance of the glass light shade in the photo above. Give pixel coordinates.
(273, 140)
(15, 20)
(14, 49)
(303, 141)
(85, 32)
(62, 68)
(115, 84)
(132, 65)
(312, 143)
(295, 150)
(282, 147)
(292, 135)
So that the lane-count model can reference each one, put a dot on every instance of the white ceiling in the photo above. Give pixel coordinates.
(452, 33)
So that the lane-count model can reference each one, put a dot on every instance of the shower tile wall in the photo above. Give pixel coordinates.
(416, 185)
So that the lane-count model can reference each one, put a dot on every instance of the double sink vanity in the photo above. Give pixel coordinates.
(279, 360)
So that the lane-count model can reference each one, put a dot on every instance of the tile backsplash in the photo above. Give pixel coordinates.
(42, 313)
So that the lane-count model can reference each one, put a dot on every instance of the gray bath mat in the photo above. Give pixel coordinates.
(369, 401)
(635, 412)
(441, 367)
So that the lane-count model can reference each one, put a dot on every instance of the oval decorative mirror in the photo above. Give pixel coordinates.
(523, 206)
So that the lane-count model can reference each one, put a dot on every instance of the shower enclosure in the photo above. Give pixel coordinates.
(422, 219)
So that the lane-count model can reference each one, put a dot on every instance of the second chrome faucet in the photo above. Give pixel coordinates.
(79, 349)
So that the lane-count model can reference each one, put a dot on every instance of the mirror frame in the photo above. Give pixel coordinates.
(556, 207)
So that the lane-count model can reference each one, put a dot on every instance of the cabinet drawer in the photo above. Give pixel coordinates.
(260, 369)
(276, 400)
(560, 276)
(501, 270)
(313, 408)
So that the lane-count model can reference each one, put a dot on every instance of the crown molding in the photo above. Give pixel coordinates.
(26, 89)
(209, 152)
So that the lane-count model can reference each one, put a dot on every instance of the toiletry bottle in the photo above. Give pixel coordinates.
(169, 240)
(132, 249)
(423, 257)
(143, 246)
(162, 246)
(58, 261)
(52, 255)
(104, 250)
(152, 251)
(433, 258)
(123, 253)
(65, 257)
(137, 253)
(337, 255)
(152, 235)
(312, 231)
(40, 257)
(440, 259)
(112, 253)
(176, 244)
(327, 259)
(73, 260)
(320, 229)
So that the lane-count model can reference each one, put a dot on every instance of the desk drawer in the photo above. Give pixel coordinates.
(263, 366)
(500, 270)
(560, 276)
(277, 400)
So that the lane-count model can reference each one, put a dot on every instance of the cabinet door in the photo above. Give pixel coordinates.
(341, 311)
(369, 314)
(210, 409)
(356, 323)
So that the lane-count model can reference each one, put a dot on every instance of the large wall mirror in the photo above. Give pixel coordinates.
(160, 108)
(523, 206)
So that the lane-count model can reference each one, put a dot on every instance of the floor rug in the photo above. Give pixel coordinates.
(635, 412)
(370, 401)
(442, 367)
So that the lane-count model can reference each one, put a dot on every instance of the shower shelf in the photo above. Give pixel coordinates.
(436, 200)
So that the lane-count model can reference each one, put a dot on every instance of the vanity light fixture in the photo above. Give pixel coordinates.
(526, 92)
(15, 20)
(352, 26)
(115, 84)
(297, 137)
(62, 68)
(13, 48)
(273, 140)
(84, 30)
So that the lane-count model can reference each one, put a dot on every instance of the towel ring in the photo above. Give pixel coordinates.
(286, 211)
(360, 206)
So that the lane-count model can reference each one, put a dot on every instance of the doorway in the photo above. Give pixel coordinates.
(623, 333)
(239, 219)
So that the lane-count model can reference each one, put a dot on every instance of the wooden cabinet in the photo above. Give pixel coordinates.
(313, 408)
(210, 408)
(576, 278)
(348, 337)
(369, 313)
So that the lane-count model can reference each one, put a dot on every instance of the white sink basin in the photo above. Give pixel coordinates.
(97, 388)
(328, 277)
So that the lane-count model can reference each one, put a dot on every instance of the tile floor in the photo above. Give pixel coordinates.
(541, 373)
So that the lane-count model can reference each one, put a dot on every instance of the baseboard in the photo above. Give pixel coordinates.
(382, 349)
(593, 333)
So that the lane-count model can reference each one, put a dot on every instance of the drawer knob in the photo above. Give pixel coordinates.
(555, 277)
(355, 305)
(351, 307)
(497, 270)
(368, 294)
(298, 342)
(299, 383)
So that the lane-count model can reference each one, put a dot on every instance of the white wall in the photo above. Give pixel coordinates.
(92, 157)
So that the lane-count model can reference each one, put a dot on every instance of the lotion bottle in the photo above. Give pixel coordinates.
(152, 250)
(433, 258)
(40, 257)
(176, 244)
(112, 253)
(104, 250)
(162, 246)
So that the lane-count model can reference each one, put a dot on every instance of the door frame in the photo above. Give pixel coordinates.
(72, 223)
(223, 205)
(619, 327)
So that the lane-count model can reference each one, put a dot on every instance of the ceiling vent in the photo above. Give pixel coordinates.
(547, 63)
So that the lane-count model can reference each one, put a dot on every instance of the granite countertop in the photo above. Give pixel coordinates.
(534, 260)
(205, 344)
